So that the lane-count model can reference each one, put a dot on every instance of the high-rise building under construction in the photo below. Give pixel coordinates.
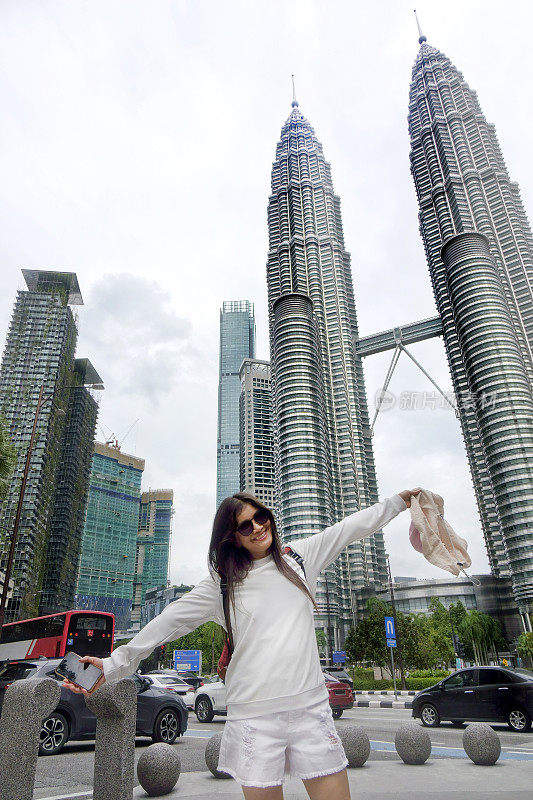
(324, 464)
(40, 379)
(479, 249)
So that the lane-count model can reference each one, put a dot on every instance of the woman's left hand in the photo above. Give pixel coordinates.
(407, 494)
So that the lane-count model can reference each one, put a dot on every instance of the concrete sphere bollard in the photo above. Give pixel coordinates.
(158, 769)
(482, 745)
(356, 744)
(212, 752)
(412, 743)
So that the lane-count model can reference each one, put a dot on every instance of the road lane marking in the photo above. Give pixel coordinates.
(69, 796)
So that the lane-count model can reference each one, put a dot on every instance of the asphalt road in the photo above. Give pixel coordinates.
(72, 769)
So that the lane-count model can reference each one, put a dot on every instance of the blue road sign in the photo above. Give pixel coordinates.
(391, 642)
(390, 630)
(188, 659)
(339, 656)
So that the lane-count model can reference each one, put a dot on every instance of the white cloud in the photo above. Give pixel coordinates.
(137, 141)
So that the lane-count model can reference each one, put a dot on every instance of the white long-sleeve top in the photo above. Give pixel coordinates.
(275, 665)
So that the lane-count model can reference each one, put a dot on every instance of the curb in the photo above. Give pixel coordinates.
(383, 704)
(403, 692)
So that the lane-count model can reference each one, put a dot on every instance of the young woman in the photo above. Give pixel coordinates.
(279, 720)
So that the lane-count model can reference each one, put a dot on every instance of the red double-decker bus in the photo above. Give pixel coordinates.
(87, 633)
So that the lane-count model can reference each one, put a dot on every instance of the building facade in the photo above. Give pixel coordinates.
(324, 464)
(107, 564)
(153, 546)
(39, 352)
(237, 342)
(489, 595)
(158, 599)
(256, 441)
(479, 249)
(72, 489)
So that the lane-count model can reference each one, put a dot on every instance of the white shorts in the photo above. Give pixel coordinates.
(302, 743)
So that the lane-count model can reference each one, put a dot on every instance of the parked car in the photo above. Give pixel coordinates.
(488, 694)
(160, 714)
(339, 673)
(173, 684)
(210, 699)
(340, 695)
(186, 675)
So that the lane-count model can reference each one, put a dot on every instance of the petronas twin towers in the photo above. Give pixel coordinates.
(480, 255)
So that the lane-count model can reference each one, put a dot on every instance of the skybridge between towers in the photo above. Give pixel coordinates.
(406, 334)
(397, 339)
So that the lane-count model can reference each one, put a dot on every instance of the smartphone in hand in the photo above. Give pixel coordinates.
(84, 675)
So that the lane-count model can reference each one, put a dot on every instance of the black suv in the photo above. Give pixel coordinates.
(489, 694)
(160, 714)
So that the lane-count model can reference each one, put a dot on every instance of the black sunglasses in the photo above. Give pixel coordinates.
(261, 516)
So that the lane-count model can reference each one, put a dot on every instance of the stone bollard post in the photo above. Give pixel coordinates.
(115, 709)
(26, 704)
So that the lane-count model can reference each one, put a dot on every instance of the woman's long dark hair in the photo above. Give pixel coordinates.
(232, 562)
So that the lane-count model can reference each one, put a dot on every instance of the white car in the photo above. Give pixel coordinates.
(210, 699)
(173, 684)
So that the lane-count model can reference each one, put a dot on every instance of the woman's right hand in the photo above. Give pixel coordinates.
(96, 662)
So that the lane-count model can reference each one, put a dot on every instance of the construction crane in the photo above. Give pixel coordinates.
(116, 442)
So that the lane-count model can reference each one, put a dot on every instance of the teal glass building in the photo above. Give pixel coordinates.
(107, 565)
(153, 546)
(237, 342)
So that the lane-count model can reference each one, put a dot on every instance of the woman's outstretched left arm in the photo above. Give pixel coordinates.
(323, 548)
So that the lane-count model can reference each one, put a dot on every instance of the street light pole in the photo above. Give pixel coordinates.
(330, 649)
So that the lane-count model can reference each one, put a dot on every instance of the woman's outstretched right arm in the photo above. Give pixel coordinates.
(182, 616)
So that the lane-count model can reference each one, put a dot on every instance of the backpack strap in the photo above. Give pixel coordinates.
(297, 557)
(225, 606)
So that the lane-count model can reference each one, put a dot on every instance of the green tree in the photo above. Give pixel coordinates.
(434, 644)
(321, 639)
(425, 642)
(482, 636)
(8, 456)
(524, 646)
(209, 638)
(368, 640)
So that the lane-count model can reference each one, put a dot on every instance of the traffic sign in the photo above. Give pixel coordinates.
(188, 659)
(391, 642)
(339, 656)
(390, 630)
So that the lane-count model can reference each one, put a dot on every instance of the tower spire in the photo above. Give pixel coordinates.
(421, 37)
(294, 100)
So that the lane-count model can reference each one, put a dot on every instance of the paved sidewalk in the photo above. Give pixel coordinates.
(438, 779)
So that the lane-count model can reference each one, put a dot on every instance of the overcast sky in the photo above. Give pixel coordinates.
(137, 143)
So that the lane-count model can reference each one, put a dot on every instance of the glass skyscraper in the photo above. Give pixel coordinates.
(257, 451)
(324, 465)
(153, 546)
(237, 342)
(109, 547)
(479, 249)
(39, 351)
